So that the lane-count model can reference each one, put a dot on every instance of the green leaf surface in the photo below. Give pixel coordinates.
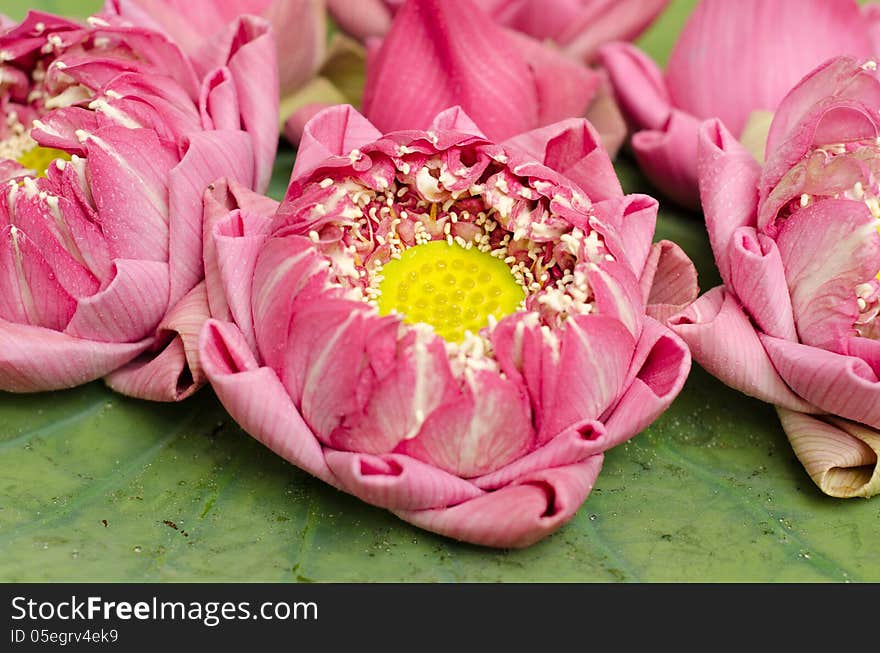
(99, 487)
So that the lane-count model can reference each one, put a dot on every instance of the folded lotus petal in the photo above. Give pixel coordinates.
(128, 309)
(35, 359)
(135, 222)
(757, 276)
(361, 18)
(175, 372)
(257, 89)
(594, 356)
(723, 341)
(218, 101)
(518, 515)
(255, 399)
(565, 87)
(465, 59)
(730, 82)
(668, 281)
(634, 217)
(209, 155)
(867, 349)
(660, 367)
(234, 220)
(411, 380)
(728, 188)
(571, 446)
(668, 157)
(828, 248)
(837, 384)
(840, 81)
(572, 147)
(617, 295)
(31, 292)
(455, 119)
(335, 131)
(487, 427)
(398, 482)
(283, 269)
(638, 85)
(840, 456)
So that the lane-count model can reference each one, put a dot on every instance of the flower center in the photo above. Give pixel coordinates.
(40, 158)
(453, 289)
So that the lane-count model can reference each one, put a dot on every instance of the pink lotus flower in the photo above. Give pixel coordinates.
(728, 63)
(449, 328)
(797, 245)
(443, 53)
(109, 141)
(577, 27)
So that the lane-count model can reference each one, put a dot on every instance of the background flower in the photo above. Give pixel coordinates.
(421, 319)
(577, 27)
(109, 141)
(442, 54)
(730, 62)
(797, 245)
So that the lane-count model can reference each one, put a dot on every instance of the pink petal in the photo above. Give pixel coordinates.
(334, 131)
(299, 58)
(571, 446)
(398, 482)
(572, 148)
(668, 158)
(758, 278)
(516, 515)
(728, 187)
(209, 156)
(256, 81)
(711, 74)
(659, 369)
(31, 293)
(837, 384)
(234, 220)
(455, 119)
(34, 359)
(128, 309)
(449, 53)
(487, 428)
(361, 18)
(134, 222)
(284, 267)
(668, 281)
(841, 81)
(256, 400)
(723, 341)
(634, 218)
(840, 456)
(595, 353)
(871, 15)
(828, 248)
(638, 85)
(565, 86)
(174, 373)
(602, 21)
